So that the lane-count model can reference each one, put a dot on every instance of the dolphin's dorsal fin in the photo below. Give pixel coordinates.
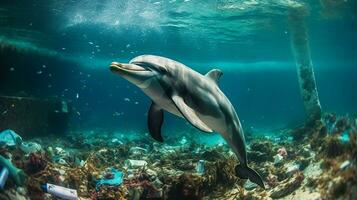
(189, 114)
(214, 75)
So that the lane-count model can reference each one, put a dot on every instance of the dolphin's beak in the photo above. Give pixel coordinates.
(135, 74)
(120, 67)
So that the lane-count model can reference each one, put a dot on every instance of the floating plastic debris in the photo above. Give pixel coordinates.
(135, 163)
(30, 147)
(137, 151)
(113, 178)
(10, 138)
(345, 165)
(61, 192)
(4, 174)
(344, 137)
(16, 174)
(292, 168)
(249, 185)
(278, 158)
(200, 167)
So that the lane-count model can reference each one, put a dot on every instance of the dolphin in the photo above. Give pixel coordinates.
(180, 90)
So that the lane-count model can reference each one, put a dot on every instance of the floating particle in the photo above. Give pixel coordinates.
(91, 43)
(77, 96)
(97, 46)
(115, 114)
(127, 46)
(49, 86)
(39, 72)
(12, 69)
(44, 66)
(63, 48)
(78, 113)
(4, 113)
(136, 103)
(66, 90)
(126, 99)
(49, 75)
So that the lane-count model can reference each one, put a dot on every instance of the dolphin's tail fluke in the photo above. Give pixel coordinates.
(244, 172)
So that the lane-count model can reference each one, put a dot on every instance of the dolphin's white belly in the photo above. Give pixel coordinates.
(168, 105)
(157, 95)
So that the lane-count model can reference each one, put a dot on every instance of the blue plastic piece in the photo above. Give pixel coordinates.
(9, 137)
(115, 181)
(4, 174)
(345, 137)
(44, 187)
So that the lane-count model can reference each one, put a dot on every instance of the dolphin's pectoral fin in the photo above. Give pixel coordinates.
(155, 120)
(214, 75)
(244, 172)
(189, 114)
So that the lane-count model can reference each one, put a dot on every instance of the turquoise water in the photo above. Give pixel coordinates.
(63, 49)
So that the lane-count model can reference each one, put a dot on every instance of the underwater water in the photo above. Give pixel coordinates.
(61, 51)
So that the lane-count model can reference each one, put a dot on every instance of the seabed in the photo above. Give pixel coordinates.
(299, 163)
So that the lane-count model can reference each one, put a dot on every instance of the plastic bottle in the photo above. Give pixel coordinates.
(61, 192)
(200, 168)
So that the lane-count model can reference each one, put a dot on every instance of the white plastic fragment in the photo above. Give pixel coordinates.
(135, 163)
(61, 192)
(345, 165)
(278, 158)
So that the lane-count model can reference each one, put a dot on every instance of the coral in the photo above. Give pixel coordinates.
(261, 151)
(36, 162)
(272, 180)
(288, 187)
(187, 186)
(342, 124)
(332, 147)
(169, 172)
(282, 151)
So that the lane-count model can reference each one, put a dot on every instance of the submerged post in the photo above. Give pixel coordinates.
(305, 72)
